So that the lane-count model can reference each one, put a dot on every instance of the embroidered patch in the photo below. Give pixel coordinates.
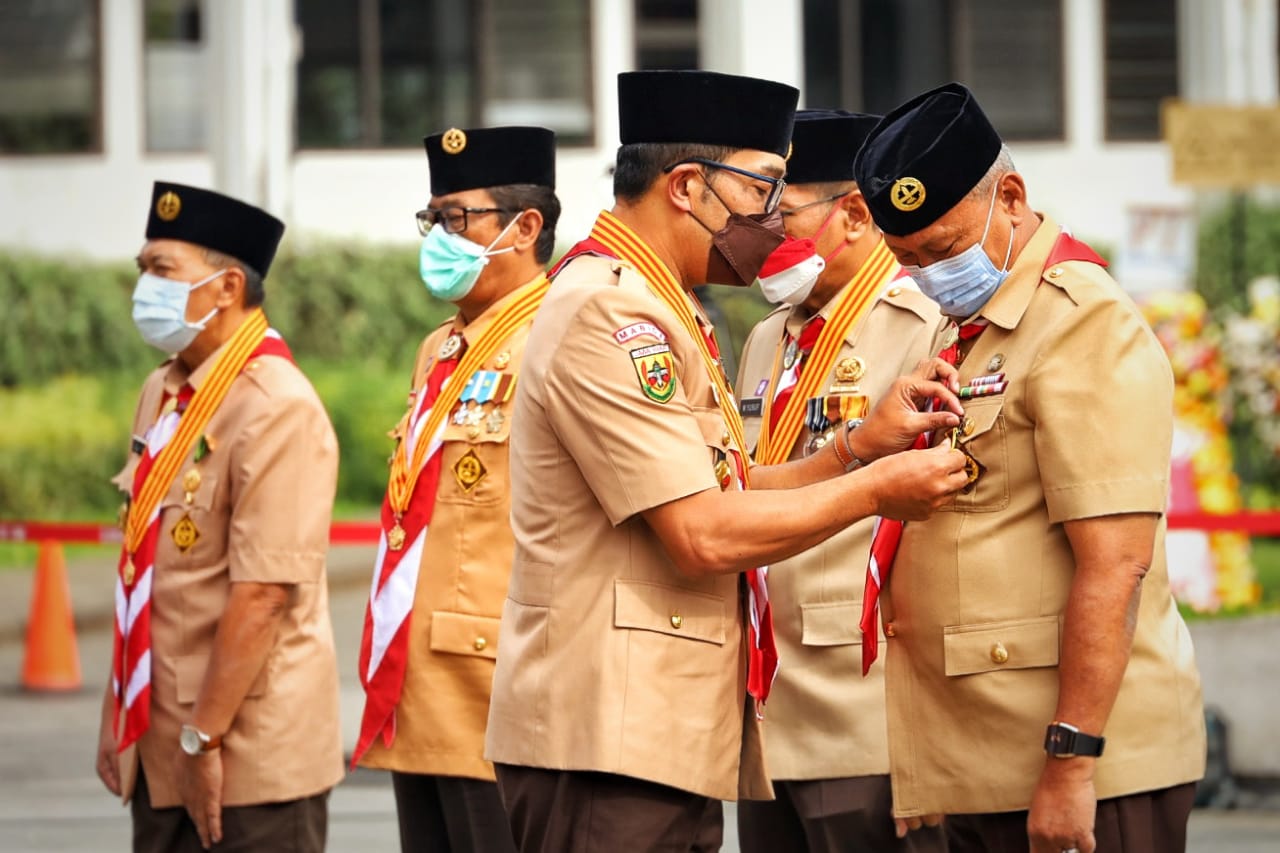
(469, 470)
(764, 383)
(656, 371)
(635, 330)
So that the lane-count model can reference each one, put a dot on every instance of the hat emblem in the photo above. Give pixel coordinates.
(907, 194)
(168, 206)
(453, 141)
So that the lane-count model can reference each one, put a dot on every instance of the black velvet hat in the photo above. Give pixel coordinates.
(214, 221)
(824, 144)
(706, 108)
(924, 157)
(490, 157)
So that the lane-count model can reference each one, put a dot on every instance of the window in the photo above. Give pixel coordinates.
(174, 75)
(50, 89)
(666, 35)
(871, 55)
(1141, 66)
(377, 73)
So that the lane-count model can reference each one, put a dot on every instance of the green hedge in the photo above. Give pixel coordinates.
(1221, 239)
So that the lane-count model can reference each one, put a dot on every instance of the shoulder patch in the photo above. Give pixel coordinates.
(656, 371)
(636, 330)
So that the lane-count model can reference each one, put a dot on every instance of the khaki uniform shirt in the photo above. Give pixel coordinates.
(610, 659)
(824, 720)
(978, 592)
(462, 584)
(262, 510)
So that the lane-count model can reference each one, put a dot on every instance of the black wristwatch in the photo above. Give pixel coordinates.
(1063, 740)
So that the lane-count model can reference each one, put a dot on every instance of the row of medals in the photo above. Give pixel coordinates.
(848, 373)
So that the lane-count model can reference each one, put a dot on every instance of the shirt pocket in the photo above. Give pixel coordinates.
(671, 610)
(189, 673)
(987, 446)
(833, 623)
(990, 646)
(464, 634)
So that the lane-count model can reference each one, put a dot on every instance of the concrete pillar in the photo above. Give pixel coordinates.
(253, 52)
(759, 38)
(1227, 51)
(1084, 61)
(122, 59)
(614, 45)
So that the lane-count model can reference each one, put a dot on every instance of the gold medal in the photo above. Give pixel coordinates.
(129, 571)
(395, 536)
(724, 474)
(450, 347)
(191, 480)
(973, 471)
(850, 369)
(185, 533)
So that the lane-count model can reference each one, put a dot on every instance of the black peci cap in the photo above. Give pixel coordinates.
(706, 108)
(490, 157)
(924, 157)
(216, 222)
(824, 144)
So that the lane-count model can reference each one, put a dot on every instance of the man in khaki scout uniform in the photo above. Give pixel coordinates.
(220, 720)
(1033, 614)
(431, 633)
(828, 352)
(637, 619)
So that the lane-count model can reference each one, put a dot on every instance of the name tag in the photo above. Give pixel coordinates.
(751, 407)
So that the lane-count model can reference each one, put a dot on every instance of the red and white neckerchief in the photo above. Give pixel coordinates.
(790, 375)
(135, 572)
(406, 515)
(887, 533)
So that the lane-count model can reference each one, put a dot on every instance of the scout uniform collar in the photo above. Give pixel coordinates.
(1006, 307)
(473, 330)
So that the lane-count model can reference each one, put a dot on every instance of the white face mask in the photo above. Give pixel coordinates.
(160, 311)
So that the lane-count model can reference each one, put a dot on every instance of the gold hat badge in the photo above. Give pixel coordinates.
(907, 194)
(453, 141)
(168, 206)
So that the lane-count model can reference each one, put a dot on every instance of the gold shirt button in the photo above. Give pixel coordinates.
(999, 654)
(894, 291)
(676, 620)
(1055, 272)
(890, 631)
(724, 438)
(480, 644)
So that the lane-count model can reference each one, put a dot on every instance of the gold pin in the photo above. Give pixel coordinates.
(907, 194)
(453, 141)
(168, 206)
(850, 369)
(191, 480)
(724, 438)
(501, 360)
(676, 621)
(129, 572)
(967, 426)
(894, 291)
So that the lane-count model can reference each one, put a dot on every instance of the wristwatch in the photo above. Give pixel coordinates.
(853, 463)
(1063, 740)
(194, 742)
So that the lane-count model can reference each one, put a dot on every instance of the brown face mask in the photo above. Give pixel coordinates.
(739, 249)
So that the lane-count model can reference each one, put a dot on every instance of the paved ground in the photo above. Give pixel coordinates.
(50, 799)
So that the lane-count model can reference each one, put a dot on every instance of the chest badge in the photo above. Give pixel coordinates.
(790, 354)
(469, 471)
(185, 534)
(450, 347)
(850, 369)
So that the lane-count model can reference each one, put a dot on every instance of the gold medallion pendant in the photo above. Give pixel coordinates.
(129, 572)
(185, 534)
(395, 537)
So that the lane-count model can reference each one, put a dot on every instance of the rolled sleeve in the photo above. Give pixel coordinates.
(635, 452)
(1102, 398)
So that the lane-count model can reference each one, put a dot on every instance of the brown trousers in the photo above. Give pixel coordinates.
(830, 816)
(1150, 822)
(569, 811)
(448, 814)
(296, 826)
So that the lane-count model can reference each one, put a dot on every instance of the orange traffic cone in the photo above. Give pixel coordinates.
(52, 660)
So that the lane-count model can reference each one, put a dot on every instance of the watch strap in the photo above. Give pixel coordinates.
(1063, 740)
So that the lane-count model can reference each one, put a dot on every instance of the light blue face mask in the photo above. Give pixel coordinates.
(450, 264)
(963, 283)
(160, 311)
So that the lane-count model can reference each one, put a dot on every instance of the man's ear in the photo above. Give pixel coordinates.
(1011, 193)
(682, 183)
(855, 210)
(528, 229)
(230, 287)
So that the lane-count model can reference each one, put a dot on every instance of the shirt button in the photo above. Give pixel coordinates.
(480, 644)
(999, 654)
(890, 631)
(676, 620)
(1055, 272)
(724, 439)
(894, 291)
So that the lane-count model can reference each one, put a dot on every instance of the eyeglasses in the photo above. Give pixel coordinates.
(453, 219)
(794, 210)
(771, 197)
